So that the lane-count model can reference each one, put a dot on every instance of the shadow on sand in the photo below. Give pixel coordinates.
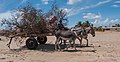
(50, 48)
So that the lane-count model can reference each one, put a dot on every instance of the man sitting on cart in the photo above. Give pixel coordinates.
(61, 26)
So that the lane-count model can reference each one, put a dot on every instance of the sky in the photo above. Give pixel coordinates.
(98, 12)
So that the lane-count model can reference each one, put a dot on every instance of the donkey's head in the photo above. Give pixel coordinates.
(91, 30)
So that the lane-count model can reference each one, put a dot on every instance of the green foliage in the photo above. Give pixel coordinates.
(83, 24)
(100, 28)
(116, 25)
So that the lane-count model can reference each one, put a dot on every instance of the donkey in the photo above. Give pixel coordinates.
(88, 30)
(65, 35)
(83, 33)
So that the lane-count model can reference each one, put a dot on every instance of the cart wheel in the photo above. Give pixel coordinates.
(42, 39)
(31, 43)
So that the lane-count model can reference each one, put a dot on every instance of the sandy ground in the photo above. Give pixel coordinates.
(104, 47)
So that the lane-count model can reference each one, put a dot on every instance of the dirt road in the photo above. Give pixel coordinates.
(104, 47)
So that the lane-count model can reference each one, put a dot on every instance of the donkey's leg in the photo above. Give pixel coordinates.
(59, 44)
(87, 42)
(80, 40)
(74, 44)
(56, 43)
(69, 44)
(64, 42)
(60, 41)
(10, 42)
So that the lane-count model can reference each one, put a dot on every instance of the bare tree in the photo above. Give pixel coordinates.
(60, 13)
(24, 23)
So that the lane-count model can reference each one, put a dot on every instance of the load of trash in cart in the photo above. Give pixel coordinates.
(28, 20)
